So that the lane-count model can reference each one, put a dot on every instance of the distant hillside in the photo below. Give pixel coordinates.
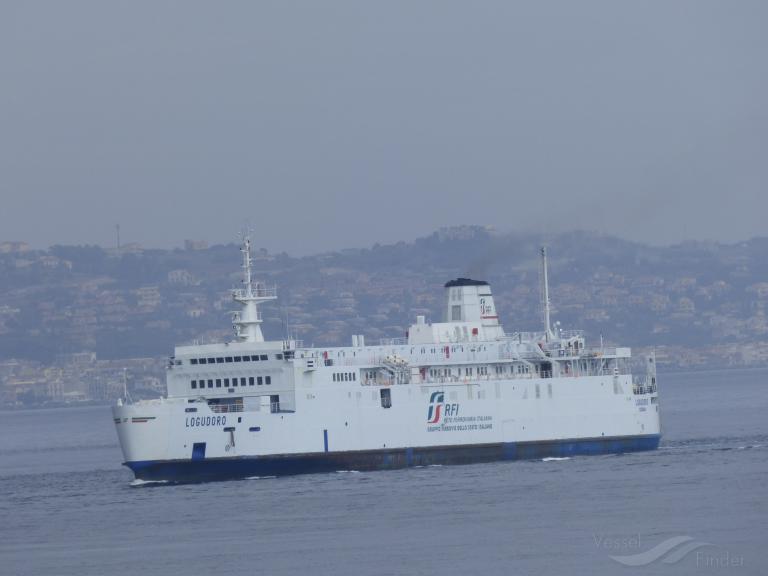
(74, 298)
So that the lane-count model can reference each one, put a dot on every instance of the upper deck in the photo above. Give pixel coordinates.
(468, 344)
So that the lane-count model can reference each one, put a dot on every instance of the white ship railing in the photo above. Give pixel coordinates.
(229, 408)
(571, 333)
(258, 292)
(225, 408)
(393, 341)
(525, 336)
(644, 385)
(543, 374)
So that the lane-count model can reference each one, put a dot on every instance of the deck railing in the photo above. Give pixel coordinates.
(644, 385)
(393, 341)
(225, 408)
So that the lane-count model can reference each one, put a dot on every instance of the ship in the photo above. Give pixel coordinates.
(458, 391)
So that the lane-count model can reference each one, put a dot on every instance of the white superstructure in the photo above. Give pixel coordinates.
(460, 390)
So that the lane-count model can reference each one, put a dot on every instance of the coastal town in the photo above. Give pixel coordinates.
(87, 324)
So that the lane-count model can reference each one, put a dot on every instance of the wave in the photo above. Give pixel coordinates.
(555, 459)
(722, 443)
(137, 483)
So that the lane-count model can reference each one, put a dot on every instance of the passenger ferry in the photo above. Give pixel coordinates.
(453, 392)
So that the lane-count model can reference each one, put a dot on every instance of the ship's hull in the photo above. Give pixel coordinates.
(223, 468)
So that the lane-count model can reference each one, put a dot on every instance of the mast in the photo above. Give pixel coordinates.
(247, 322)
(545, 294)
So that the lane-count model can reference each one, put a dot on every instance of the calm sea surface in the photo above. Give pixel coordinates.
(67, 506)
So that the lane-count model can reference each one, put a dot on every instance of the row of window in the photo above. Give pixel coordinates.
(232, 382)
(341, 353)
(225, 359)
(345, 377)
(469, 371)
(481, 370)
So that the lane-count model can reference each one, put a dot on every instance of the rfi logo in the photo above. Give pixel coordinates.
(438, 408)
(485, 309)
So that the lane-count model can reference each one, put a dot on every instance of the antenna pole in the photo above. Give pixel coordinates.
(126, 397)
(247, 281)
(247, 321)
(545, 293)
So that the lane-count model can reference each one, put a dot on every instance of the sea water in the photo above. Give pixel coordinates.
(698, 505)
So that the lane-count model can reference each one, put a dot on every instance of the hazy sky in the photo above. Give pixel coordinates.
(339, 124)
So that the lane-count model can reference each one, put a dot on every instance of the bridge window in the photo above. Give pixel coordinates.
(242, 381)
(263, 357)
(211, 360)
(267, 379)
(218, 382)
(210, 383)
(193, 361)
(202, 360)
(238, 358)
(226, 382)
(251, 381)
(259, 381)
(228, 359)
(219, 360)
(194, 384)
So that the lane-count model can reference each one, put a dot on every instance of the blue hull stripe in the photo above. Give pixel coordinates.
(385, 459)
